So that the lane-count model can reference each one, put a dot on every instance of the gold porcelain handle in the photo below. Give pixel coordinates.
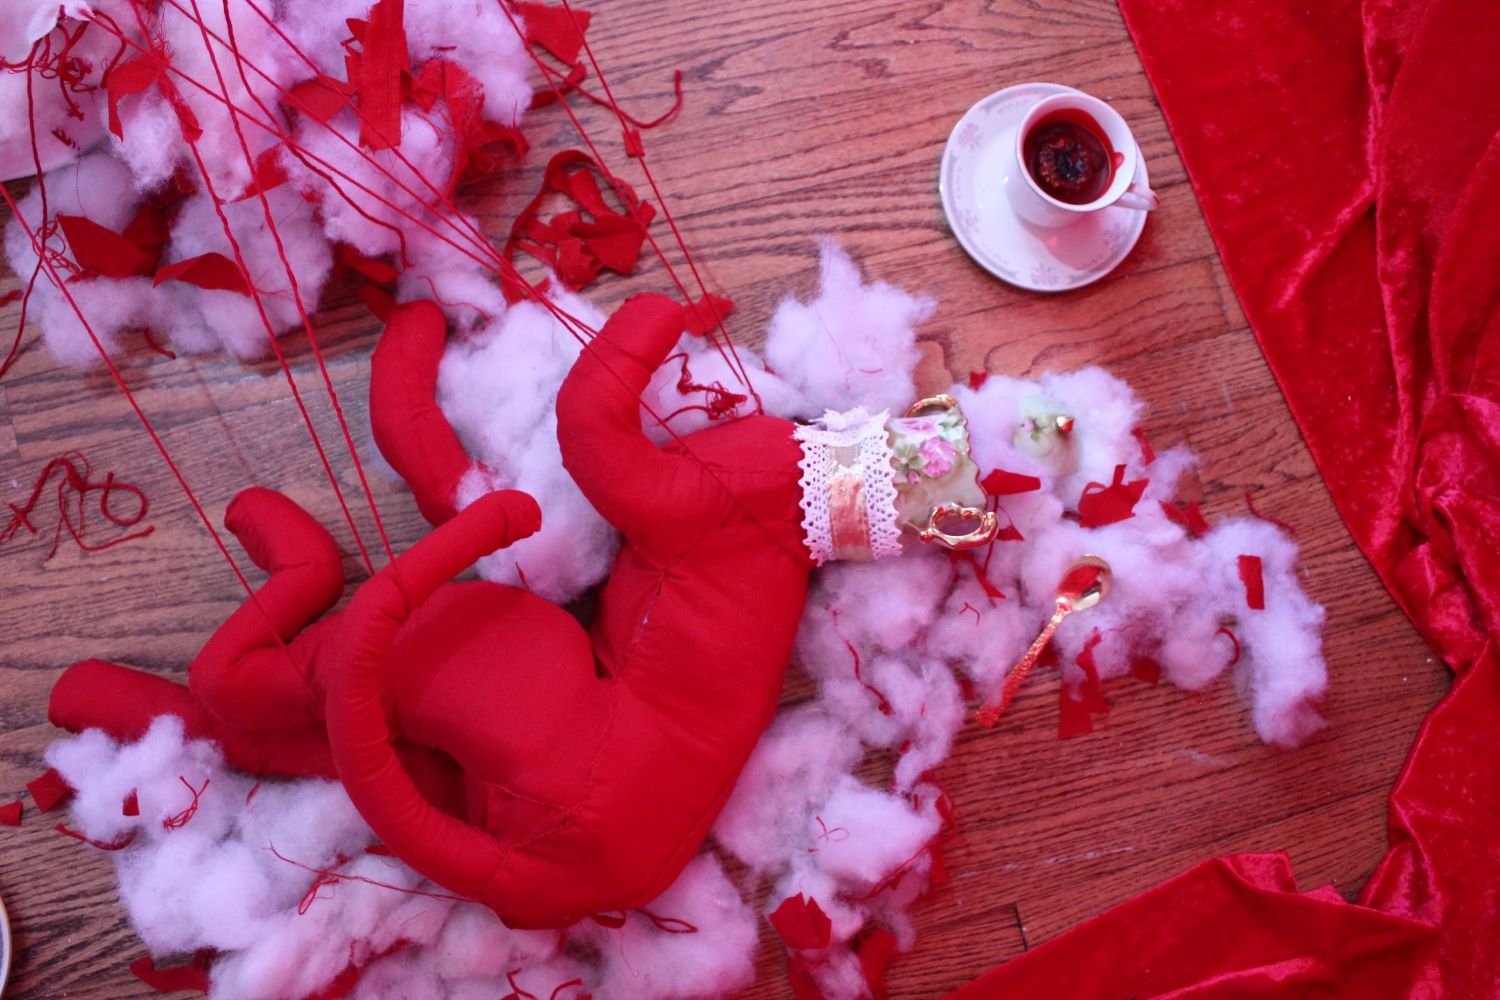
(985, 528)
(942, 401)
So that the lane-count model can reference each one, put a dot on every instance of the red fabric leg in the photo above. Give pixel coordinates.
(254, 672)
(123, 702)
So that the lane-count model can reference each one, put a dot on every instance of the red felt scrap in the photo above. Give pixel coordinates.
(1148, 454)
(132, 76)
(267, 174)
(320, 98)
(380, 301)
(383, 59)
(1100, 505)
(101, 252)
(193, 976)
(613, 240)
(978, 379)
(10, 813)
(1145, 668)
(557, 29)
(1075, 715)
(634, 148)
(707, 313)
(373, 268)
(802, 924)
(875, 953)
(1001, 483)
(211, 271)
(49, 791)
(1190, 517)
(1254, 580)
(132, 804)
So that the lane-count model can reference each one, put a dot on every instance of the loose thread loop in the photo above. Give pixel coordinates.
(75, 483)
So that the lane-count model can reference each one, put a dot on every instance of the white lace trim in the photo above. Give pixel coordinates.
(853, 428)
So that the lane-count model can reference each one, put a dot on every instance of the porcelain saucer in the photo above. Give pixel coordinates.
(972, 181)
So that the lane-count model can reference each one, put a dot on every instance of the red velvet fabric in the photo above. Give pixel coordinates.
(1347, 160)
(490, 742)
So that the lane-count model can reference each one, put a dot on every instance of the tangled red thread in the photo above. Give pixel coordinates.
(180, 820)
(719, 402)
(53, 57)
(75, 485)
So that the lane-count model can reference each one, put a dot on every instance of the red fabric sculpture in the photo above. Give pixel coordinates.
(490, 742)
(1347, 158)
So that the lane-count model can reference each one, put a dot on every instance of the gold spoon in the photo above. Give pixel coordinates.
(1083, 586)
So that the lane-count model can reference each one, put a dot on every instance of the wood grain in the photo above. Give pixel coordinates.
(801, 120)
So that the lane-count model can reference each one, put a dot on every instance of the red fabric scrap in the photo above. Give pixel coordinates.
(377, 75)
(1145, 668)
(373, 268)
(557, 29)
(194, 976)
(978, 379)
(1148, 454)
(634, 147)
(10, 813)
(707, 313)
(101, 252)
(49, 791)
(1255, 587)
(875, 952)
(132, 76)
(1100, 505)
(267, 174)
(1190, 517)
(320, 98)
(1075, 715)
(131, 805)
(211, 271)
(1001, 483)
(802, 924)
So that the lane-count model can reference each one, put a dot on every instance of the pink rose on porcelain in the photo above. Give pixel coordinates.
(937, 457)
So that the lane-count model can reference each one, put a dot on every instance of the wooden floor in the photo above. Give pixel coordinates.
(802, 119)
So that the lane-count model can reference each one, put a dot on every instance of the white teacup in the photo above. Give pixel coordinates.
(1039, 208)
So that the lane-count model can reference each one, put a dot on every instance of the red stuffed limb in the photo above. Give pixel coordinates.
(490, 742)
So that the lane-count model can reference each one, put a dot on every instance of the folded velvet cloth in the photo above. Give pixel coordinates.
(1347, 161)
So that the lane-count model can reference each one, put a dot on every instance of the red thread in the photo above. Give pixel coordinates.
(1223, 630)
(563, 986)
(828, 833)
(75, 483)
(969, 607)
(1250, 502)
(880, 700)
(180, 820)
(516, 993)
(118, 844)
(672, 925)
(329, 876)
(251, 794)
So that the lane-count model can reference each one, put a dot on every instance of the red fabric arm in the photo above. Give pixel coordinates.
(409, 428)
(249, 673)
(641, 489)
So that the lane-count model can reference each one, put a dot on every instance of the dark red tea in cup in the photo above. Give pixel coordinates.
(1070, 157)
